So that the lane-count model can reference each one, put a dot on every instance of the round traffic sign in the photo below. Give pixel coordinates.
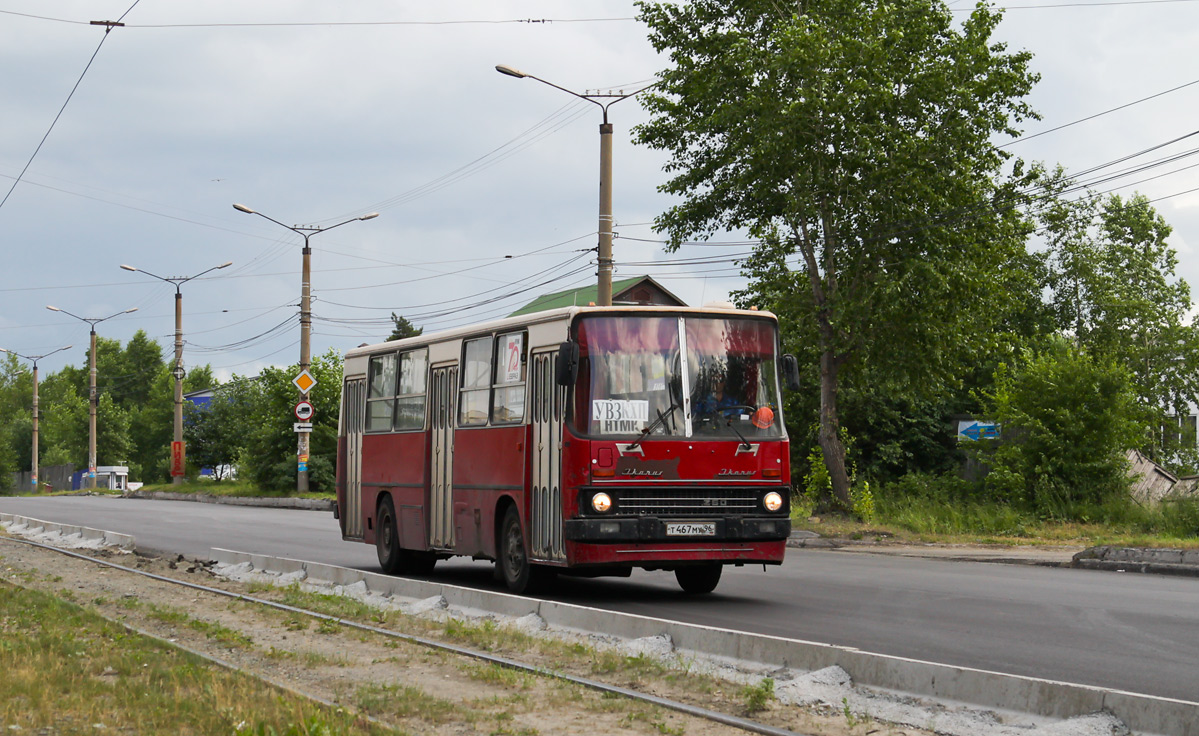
(304, 411)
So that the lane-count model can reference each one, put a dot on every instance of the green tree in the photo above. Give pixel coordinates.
(16, 401)
(113, 446)
(855, 140)
(403, 328)
(1068, 421)
(1114, 289)
(63, 428)
(265, 409)
(214, 431)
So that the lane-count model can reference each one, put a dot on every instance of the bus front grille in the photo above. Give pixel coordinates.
(682, 502)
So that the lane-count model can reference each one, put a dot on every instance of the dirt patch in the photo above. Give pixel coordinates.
(412, 687)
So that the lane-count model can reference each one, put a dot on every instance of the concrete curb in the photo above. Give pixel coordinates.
(307, 504)
(109, 539)
(1128, 559)
(1025, 695)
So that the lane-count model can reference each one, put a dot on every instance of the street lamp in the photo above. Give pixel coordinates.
(34, 359)
(92, 397)
(177, 372)
(604, 280)
(306, 231)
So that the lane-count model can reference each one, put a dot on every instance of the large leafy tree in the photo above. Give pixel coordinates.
(854, 138)
(1114, 289)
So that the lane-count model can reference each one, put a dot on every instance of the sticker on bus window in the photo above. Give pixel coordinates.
(616, 416)
(511, 357)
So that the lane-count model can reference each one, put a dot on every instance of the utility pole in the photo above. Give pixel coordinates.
(178, 452)
(92, 395)
(604, 251)
(306, 232)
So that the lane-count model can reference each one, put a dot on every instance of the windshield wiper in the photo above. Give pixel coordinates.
(660, 420)
(741, 436)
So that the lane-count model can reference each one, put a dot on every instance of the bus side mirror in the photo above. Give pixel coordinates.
(791, 373)
(568, 363)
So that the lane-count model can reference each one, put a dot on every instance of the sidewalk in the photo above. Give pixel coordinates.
(1118, 559)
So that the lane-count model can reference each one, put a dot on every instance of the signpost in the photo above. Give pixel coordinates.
(304, 382)
(178, 460)
(975, 431)
(304, 411)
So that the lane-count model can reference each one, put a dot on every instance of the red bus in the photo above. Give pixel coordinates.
(583, 441)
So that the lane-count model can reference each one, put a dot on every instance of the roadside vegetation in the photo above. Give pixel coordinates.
(67, 670)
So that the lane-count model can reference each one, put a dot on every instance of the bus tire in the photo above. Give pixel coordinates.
(387, 538)
(698, 579)
(518, 574)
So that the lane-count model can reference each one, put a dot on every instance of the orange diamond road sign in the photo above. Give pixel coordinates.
(304, 382)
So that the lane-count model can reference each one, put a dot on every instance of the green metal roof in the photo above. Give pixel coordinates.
(580, 297)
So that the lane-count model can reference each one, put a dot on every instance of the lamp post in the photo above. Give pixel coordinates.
(604, 274)
(305, 231)
(178, 372)
(34, 359)
(92, 397)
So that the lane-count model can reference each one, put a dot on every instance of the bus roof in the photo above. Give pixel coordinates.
(565, 314)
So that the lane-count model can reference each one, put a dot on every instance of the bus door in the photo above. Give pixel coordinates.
(545, 512)
(353, 407)
(443, 411)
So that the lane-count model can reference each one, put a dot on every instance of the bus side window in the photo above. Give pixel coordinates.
(511, 370)
(410, 397)
(381, 393)
(476, 382)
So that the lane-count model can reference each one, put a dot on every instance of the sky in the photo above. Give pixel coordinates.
(131, 148)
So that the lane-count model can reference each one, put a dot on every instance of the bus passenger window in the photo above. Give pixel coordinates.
(410, 399)
(476, 382)
(508, 406)
(381, 393)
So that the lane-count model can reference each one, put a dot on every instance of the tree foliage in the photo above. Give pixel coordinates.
(403, 328)
(854, 139)
(1068, 420)
(1113, 288)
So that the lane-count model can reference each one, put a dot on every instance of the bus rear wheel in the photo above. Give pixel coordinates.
(394, 559)
(519, 575)
(697, 579)
(387, 538)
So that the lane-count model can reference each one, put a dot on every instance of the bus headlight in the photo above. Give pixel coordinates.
(602, 502)
(773, 501)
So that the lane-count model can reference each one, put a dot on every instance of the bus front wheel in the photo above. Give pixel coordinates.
(698, 578)
(518, 573)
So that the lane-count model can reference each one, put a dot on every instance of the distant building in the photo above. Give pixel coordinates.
(639, 290)
(112, 477)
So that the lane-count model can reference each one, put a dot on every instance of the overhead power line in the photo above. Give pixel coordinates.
(109, 25)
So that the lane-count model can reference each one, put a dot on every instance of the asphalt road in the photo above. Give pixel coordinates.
(1124, 631)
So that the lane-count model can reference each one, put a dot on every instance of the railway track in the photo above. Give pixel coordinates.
(507, 662)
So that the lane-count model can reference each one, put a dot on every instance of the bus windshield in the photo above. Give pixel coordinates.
(679, 376)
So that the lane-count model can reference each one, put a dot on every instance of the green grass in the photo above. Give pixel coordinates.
(67, 669)
(934, 511)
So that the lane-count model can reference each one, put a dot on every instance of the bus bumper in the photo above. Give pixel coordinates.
(656, 530)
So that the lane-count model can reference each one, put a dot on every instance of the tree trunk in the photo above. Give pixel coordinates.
(829, 437)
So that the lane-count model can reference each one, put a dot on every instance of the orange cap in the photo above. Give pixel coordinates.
(763, 417)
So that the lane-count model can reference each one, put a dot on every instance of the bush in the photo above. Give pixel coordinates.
(1068, 421)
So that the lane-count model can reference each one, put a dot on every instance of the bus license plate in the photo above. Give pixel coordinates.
(691, 529)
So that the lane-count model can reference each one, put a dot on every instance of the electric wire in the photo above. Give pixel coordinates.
(61, 110)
